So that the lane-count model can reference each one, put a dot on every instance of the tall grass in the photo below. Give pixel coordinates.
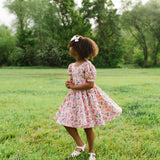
(29, 99)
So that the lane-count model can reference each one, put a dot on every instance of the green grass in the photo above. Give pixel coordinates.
(29, 99)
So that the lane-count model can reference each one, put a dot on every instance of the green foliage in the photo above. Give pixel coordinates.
(128, 44)
(16, 57)
(107, 31)
(99, 61)
(43, 31)
(50, 55)
(153, 24)
(144, 29)
(7, 43)
(135, 25)
(138, 57)
(72, 23)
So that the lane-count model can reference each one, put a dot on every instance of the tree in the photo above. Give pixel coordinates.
(128, 43)
(134, 23)
(143, 23)
(25, 38)
(45, 24)
(72, 22)
(152, 10)
(7, 44)
(107, 30)
(19, 8)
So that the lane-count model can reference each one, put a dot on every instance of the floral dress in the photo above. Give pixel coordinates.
(86, 108)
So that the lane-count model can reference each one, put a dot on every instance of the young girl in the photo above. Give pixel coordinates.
(85, 105)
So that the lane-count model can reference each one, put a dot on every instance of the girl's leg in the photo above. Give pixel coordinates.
(75, 135)
(90, 138)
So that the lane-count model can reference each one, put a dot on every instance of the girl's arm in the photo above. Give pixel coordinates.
(85, 86)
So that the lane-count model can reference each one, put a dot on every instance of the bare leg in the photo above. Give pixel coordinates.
(90, 138)
(75, 135)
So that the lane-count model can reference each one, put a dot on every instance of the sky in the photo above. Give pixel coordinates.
(7, 18)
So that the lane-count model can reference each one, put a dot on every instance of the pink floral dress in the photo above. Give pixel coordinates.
(86, 108)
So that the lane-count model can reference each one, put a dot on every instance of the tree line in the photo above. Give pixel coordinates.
(44, 28)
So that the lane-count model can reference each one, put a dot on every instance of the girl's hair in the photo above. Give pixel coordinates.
(84, 46)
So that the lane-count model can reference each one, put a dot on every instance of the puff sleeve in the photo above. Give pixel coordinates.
(70, 70)
(90, 72)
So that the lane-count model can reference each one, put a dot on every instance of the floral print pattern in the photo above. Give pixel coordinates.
(86, 108)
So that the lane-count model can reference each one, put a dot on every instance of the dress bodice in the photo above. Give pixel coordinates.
(83, 73)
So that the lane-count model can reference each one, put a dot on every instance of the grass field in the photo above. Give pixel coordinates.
(29, 99)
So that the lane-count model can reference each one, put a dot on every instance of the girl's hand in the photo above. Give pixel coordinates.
(68, 84)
